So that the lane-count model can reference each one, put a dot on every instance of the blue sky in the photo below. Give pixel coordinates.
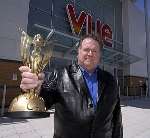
(140, 5)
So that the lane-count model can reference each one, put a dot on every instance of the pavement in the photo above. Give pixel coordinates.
(136, 118)
(135, 112)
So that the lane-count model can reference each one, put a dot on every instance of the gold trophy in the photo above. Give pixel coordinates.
(35, 54)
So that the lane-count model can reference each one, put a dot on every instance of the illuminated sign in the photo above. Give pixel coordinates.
(77, 24)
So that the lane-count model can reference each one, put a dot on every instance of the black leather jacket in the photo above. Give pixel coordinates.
(75, 116)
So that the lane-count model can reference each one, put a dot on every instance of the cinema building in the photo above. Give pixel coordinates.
(123, 25)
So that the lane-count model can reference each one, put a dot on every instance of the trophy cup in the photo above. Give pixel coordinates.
(35, 54)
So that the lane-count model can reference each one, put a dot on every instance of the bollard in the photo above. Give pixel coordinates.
(3, 100)
(141, 92)
(127, 92)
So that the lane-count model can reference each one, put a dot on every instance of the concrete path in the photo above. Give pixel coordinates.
(136, 118)
(136, 121)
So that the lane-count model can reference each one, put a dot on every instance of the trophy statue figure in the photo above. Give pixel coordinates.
(35, 54)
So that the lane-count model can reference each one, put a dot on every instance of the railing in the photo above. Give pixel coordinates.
(136, 92)
(7, 93)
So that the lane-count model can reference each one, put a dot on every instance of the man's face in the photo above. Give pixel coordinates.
(89, 54)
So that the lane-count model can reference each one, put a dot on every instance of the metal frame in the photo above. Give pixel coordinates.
(127, 58)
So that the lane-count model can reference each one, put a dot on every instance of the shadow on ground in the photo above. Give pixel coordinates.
(143, 102)
(7, 121)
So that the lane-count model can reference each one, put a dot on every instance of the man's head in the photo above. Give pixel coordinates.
(89, 52)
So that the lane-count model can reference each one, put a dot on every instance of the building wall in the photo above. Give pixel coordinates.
(134, 38)
(13, 14)
(11, 77)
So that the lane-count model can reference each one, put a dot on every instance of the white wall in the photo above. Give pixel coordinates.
(13, 13)
(134, 37)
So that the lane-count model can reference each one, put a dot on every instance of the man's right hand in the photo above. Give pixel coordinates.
(30, 80)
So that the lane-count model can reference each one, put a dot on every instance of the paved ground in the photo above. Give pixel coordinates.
(136, 114)
(26, 128)
(136, 118)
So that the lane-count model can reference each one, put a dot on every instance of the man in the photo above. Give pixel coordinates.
(86, 99)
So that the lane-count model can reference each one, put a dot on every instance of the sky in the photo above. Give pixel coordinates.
(140, 5)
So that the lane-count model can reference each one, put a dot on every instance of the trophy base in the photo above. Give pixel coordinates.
(27, 114)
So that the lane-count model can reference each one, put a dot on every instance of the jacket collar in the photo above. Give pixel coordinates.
(80, 82)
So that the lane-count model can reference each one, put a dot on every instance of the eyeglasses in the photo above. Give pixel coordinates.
(87, 50)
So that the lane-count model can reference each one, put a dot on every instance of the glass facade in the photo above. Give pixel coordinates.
(44, 16)
(53, 14)
(147, 28)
